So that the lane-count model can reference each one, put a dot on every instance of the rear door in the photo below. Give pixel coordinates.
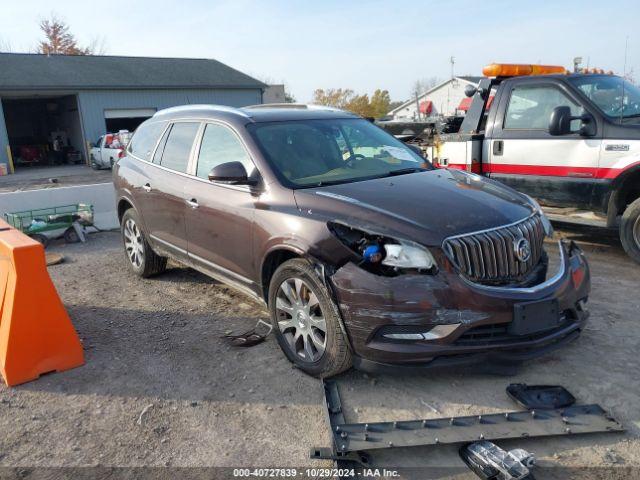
(163, 195)
(559, 171)
(219, 218)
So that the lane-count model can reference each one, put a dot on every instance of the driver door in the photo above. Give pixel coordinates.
(219, 218)
(558, 171)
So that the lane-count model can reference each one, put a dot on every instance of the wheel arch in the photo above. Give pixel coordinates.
(275, 257)
(624, 190)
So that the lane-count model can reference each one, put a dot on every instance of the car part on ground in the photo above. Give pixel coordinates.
(365, 437)
(490, 462)
(251, 337)
(535, 397)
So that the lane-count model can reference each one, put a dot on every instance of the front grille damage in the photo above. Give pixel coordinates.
(490, 256)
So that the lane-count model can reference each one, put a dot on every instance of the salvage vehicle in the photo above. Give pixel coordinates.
(106, 151)
(364, 253)
(570, 140)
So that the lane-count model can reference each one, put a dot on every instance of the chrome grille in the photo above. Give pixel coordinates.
(489, 256)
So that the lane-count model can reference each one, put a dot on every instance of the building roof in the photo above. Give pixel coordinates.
(25, 71)
(470, 78)
(466, 78)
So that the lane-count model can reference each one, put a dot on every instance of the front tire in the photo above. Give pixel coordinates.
(306, 320)
(142, 260)
(630, 230)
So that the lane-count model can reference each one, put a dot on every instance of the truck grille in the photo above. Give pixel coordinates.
(490, 256)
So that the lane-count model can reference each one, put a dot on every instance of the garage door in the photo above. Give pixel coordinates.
(129, 113)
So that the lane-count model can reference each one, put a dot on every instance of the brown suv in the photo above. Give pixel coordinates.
(364, 254)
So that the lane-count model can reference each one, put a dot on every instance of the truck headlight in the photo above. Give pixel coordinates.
(408, 255)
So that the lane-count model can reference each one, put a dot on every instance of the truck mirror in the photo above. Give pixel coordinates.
(560, 121)
(470, 90)
(561, 118)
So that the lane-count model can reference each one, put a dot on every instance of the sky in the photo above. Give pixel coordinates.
(357, 44)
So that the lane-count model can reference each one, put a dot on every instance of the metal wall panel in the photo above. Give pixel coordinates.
(93, 103)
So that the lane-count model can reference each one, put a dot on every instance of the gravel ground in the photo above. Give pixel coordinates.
(162, 388)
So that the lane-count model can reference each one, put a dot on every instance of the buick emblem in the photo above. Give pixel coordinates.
(522, 250)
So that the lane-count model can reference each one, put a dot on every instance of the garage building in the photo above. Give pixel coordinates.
(76, 99)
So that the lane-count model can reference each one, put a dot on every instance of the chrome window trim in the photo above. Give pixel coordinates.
(203, 121)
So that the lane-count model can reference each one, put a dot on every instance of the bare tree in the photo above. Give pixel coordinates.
(59, 40)
(424, 84)
(5, 46)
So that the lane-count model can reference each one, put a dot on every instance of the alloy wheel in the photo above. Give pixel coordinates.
(301, 320)
(636, 232)
(133, 243)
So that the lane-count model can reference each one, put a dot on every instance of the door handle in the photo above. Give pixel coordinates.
(147, 187)
(498, 147)
(193, 203)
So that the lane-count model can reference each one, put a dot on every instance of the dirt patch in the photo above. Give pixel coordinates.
(161, 387)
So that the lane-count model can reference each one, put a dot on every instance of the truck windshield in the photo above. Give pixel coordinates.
(614, 96)
(324, 152)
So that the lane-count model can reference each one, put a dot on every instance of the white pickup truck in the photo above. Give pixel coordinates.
(108, 148)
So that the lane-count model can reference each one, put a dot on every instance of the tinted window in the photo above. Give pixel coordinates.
(145, 139)
(220, 145)
(530, 107)
(178, 146)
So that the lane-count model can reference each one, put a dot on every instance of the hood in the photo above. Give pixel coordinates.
(425, 207)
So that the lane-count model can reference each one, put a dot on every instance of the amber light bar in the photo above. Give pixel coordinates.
(517, 70)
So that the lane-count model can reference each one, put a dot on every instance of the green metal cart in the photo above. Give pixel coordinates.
(46, 223)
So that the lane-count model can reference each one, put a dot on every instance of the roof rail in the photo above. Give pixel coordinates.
(301, 106)
(204, 107)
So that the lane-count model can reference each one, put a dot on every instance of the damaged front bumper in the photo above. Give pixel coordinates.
(422, 321)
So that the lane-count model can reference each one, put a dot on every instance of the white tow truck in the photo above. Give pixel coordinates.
(570, 140)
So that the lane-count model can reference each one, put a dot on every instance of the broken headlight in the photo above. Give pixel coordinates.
(382, 254)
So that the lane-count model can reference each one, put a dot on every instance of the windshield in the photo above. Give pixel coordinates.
(613, 95)
(323, 152)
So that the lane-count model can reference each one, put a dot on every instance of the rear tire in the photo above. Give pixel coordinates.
(630, 230)
(142, 260)
(306, 320)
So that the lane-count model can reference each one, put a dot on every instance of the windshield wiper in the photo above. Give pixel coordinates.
(404, 171)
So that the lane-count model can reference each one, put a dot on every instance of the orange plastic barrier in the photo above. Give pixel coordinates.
(36, 334)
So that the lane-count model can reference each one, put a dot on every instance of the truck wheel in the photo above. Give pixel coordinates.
(630, 230)
(306, 320)
(93, 163)
(143, 261)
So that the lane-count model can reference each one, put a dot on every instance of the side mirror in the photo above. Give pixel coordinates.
(230, 173)
(560, 123)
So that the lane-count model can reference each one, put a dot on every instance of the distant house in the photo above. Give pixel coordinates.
(446, 99)
(274, 94)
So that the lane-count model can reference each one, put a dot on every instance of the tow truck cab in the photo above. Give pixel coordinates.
(569, 140)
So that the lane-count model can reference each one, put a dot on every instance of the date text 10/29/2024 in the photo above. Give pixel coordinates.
(314, 473)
